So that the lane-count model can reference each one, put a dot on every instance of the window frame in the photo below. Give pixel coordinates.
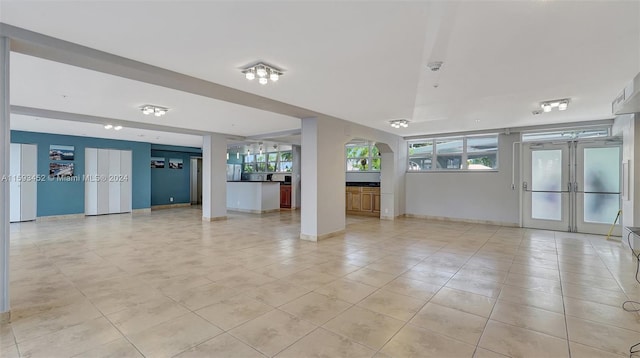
(369, 158)
(464, 155)
(255, 164)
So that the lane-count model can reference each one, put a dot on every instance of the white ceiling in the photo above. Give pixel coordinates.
(360, 61)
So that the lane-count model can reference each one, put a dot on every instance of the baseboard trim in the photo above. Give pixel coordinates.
(141, 211)
(460, 220)
(316, 238)
(5, 317)
(217, 218)
(253, 211)
(170, 206)
(60, 217)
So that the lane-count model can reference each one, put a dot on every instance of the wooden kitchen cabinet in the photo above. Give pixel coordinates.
(363, 200)
(285, 196)
(376, 202)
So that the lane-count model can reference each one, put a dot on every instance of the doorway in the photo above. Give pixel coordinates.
(196, 181)
(572, 186)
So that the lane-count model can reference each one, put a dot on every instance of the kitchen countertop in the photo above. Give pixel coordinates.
(253, 181)
(365, 184)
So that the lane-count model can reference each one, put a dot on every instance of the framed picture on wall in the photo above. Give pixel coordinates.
(61, 152)
(157, 162)
(175, 163)
(58, 170)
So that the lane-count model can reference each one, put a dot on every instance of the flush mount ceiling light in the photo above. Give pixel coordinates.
(560, 104)
(263, 72)
(399, 123)
(111, 126)
(155, 110)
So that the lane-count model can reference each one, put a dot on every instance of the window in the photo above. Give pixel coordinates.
(362, 157)
(272, 164)
(261, 162)
(420, 155)
(249, 165)
(286, 162)
(268, 162)
(482, 153)
(449, 153)
(457, 153)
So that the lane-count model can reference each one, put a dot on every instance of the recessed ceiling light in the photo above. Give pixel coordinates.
(108, 126)
(117, 128)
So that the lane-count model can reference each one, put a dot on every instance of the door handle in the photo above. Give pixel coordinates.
(524, 185)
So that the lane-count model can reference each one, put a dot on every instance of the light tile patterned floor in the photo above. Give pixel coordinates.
(168, 284)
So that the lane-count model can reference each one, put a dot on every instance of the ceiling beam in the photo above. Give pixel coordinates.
(42, 46)
(47, 113)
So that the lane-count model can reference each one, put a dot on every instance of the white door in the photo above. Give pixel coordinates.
(91, 181)
(597, 186)
(23, 182)
(126, 162)
(103, 181)
(546, 186)
(572, 186)
(29, 186)
(114, 181)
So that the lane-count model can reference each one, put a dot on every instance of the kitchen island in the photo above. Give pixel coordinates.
(253, 196)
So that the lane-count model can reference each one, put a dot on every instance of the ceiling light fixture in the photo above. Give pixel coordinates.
(399, 123)
(117, 128)
(155, 110)
(560, 104)
(108, 126)
(111, 126)
(264, 72)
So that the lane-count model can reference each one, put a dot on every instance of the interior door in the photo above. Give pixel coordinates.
(597, 186)
(546, 186)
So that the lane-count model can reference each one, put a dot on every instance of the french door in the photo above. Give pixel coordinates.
(571, 186)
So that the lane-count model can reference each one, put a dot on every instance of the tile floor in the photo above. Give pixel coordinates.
(167, 284)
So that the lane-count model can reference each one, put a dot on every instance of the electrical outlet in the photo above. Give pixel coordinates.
(171, 199)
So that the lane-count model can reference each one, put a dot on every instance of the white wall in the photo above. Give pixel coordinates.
(373, 177)
(473, 196)
(626, 127)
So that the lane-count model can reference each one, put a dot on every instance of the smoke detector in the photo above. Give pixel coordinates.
(434, 66)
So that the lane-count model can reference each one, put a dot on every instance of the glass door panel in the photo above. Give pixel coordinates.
(546, 197)
(598, 201)
(546, 184)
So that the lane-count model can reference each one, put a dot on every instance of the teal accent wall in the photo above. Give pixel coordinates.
(67, 197)
(167, 182)
(233, 160)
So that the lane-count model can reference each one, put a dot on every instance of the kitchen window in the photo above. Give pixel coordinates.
(272, 162)
(362, 157)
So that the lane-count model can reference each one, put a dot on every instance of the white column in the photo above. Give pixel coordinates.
(387, 186)
(214, 177)
(295, 176)
(5, 168)
(323, 178)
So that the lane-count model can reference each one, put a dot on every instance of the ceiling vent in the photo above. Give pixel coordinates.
(434, 66)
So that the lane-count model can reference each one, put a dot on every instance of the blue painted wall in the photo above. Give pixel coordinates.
(167, 182)
(64, 198)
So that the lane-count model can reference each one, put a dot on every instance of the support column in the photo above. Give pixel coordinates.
(214, 177)
(387, 186)
(5, 145)
(323, 179)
